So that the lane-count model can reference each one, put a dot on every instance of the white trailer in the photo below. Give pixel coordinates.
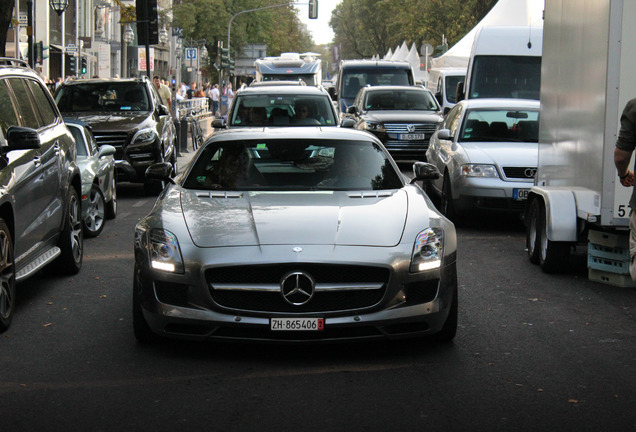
(587, 77)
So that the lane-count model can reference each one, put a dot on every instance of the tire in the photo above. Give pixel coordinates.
(143, 332)
(7, 277)
(154, 187)
(111, 206)
(71, 240)
(553, 255)
(533, 231)
(95, 218)
(446, 201)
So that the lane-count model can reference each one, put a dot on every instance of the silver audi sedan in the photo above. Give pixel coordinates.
(487, 151)
(294, 235)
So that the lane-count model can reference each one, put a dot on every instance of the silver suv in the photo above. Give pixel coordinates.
(40, 185)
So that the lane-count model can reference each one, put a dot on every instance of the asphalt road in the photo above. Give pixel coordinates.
(533, 353)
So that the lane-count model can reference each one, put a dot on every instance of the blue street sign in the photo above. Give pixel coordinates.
(191, 53)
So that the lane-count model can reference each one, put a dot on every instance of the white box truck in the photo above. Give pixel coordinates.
(505, 62)
(442, 82)
(587, 77)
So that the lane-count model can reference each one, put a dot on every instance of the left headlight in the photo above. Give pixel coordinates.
(374, 127)
(479, 170)
(163, 250)
(428, 250)
(145, 136)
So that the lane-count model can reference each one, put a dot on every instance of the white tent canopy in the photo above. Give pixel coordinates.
(504, 13)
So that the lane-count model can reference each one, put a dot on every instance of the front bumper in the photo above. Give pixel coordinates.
(492, 194)
(181, 306)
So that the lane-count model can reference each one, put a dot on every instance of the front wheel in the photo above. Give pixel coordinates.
(94, 220)
(143, 332)
(111, 206)
(447, 206)
(533, 231)
(7, 277)
(71, 240)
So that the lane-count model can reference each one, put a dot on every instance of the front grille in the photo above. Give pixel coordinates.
(427, 128)
(115, 139)
(519, 172)
(241, 297)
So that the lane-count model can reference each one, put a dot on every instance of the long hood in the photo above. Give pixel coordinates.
(274, 218)
(113, 121)
(503, 153)
(398, 116)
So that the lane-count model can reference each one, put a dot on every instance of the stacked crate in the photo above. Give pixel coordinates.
(608, 258)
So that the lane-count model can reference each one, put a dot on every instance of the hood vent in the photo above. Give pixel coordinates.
(220, 194)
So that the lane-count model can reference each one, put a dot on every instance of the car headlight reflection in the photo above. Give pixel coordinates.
(478, 170)
(428, 250)
(145, 136)
(164, 252)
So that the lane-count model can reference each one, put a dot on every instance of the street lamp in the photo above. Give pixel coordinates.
(163, 36)
(59, 6)
(127, 36)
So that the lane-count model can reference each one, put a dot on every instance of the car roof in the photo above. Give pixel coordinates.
(374, 63)
(396, 88)
(276, 83)
(276, 89)
(506, 103)
(82, 81)
(301, 132)
(12, 66)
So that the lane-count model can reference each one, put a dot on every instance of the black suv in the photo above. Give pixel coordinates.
(40, 185)
(127, 114)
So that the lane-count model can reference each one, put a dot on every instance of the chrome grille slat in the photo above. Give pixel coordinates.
(427, 128)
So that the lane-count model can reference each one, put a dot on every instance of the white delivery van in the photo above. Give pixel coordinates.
(442, 82)
(505, 62)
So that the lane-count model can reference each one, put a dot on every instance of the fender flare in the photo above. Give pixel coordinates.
(561, 214)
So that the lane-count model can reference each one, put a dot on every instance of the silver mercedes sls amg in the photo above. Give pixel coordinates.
(295, 235)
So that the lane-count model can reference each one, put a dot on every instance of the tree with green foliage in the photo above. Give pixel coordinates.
(278, 27)
(363, 29)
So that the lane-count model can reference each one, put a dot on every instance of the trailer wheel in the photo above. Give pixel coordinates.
(553, 255)
(533, 230)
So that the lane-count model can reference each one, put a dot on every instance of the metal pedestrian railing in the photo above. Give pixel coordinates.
(190, 115)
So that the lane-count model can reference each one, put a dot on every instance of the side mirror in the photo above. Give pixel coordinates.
(22, 138)
(218, 123)
(347, 123)
(106, 150)
(332, 93)
(438, 96)
(160, 171)
(424, 171)
(352, 110)
(163, 110)
(444, 134)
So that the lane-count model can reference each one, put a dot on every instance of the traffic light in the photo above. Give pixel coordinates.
(225, 58)
(72, 65)
(39, 52)
(231, 66)
(83, 65)
(313, 9)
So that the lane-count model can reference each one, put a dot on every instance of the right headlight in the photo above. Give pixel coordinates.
(374, 127)
(162, 249)
(145, 136)
(428, 250)
(479, 170)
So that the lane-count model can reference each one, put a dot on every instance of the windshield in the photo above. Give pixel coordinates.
(517, 77)
(282, 110)
(451, 86)
(354, 79)
(103, 96)
(501, 126)
(382, 100)
(293, 164)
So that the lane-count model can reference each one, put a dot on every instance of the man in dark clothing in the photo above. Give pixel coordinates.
(625, 145)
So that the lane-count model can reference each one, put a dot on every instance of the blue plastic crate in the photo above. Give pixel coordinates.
(608, 265)
(613, 253)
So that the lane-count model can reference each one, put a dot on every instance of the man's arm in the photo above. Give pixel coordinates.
(621, 161)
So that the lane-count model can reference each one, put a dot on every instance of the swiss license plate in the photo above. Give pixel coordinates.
(297, 324)
(411, 137)
(520, 194)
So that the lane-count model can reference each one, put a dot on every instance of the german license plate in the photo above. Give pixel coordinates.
(411, 137)
(297, 324)
(520, 194)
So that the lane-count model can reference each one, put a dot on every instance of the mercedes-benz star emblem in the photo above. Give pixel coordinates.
(297, 288)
